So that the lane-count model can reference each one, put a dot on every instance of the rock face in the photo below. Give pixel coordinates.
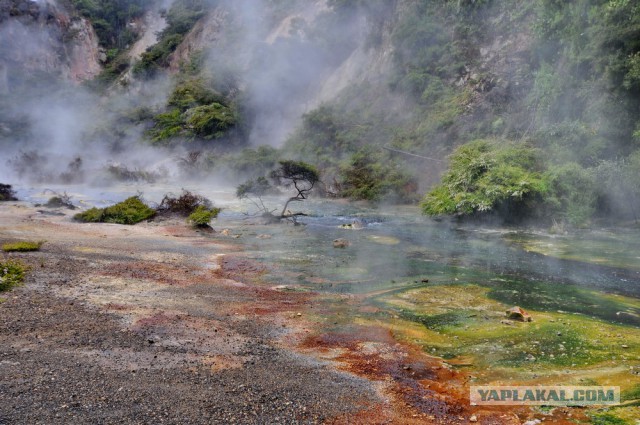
(42, 40)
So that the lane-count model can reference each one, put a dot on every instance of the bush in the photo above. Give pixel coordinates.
(372, 177)
(194, 111)
(487, 175)
(7, 193)
(62, 200)
(22, 246)
(183, 205)
(12, 273)
(129, 211)
(202, 216)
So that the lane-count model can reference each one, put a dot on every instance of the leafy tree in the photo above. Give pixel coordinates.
(487, 175)
(194, 111)
(296, 175)
(211, 121)
(372, 176)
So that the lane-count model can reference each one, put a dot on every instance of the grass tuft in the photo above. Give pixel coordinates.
(12, 273)
(202, 216)
(22, 246)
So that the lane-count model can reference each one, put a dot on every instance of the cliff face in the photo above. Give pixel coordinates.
(43, 40)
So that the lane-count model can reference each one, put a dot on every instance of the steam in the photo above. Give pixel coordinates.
(283, 60)
(54, 129)
(279, 57)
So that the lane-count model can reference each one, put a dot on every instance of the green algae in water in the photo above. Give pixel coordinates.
(619, 249)
(565, 297)
(437, 322)
(461, 321)
(607, 419)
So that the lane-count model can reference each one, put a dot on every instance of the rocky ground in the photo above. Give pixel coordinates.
(156, 323)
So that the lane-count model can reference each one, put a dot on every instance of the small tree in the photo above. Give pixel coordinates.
(296, 175)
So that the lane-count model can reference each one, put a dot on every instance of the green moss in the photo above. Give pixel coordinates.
(12, 273)
(202, 216)
(607, 419)
(22, 246)
(631, 394)
(461, 322)
(129, 211)
(437, 322)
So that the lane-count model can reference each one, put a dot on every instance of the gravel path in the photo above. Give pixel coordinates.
(119, 325)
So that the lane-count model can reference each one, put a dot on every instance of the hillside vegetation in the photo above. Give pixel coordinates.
(519, 109)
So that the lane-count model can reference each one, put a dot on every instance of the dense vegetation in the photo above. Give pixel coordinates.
(558, 81)
(486, 175)
(111, 19)
(535, 103)
(194, 111)
(181, 17)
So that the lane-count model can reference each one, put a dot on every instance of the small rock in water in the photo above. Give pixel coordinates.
(516, 313)
(263, 236)
(341, 243)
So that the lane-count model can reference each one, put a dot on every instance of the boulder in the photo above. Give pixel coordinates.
(341, 243)
(516, 313)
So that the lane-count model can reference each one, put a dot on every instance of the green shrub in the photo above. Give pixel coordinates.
(372, 176)
(12, 273)
(129, 211)
(202, 216)
(485, 175)
(211, 121)
(60, 200)
(22, 246)
(194, 111)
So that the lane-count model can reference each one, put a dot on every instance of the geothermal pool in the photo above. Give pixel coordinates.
(445, 287)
